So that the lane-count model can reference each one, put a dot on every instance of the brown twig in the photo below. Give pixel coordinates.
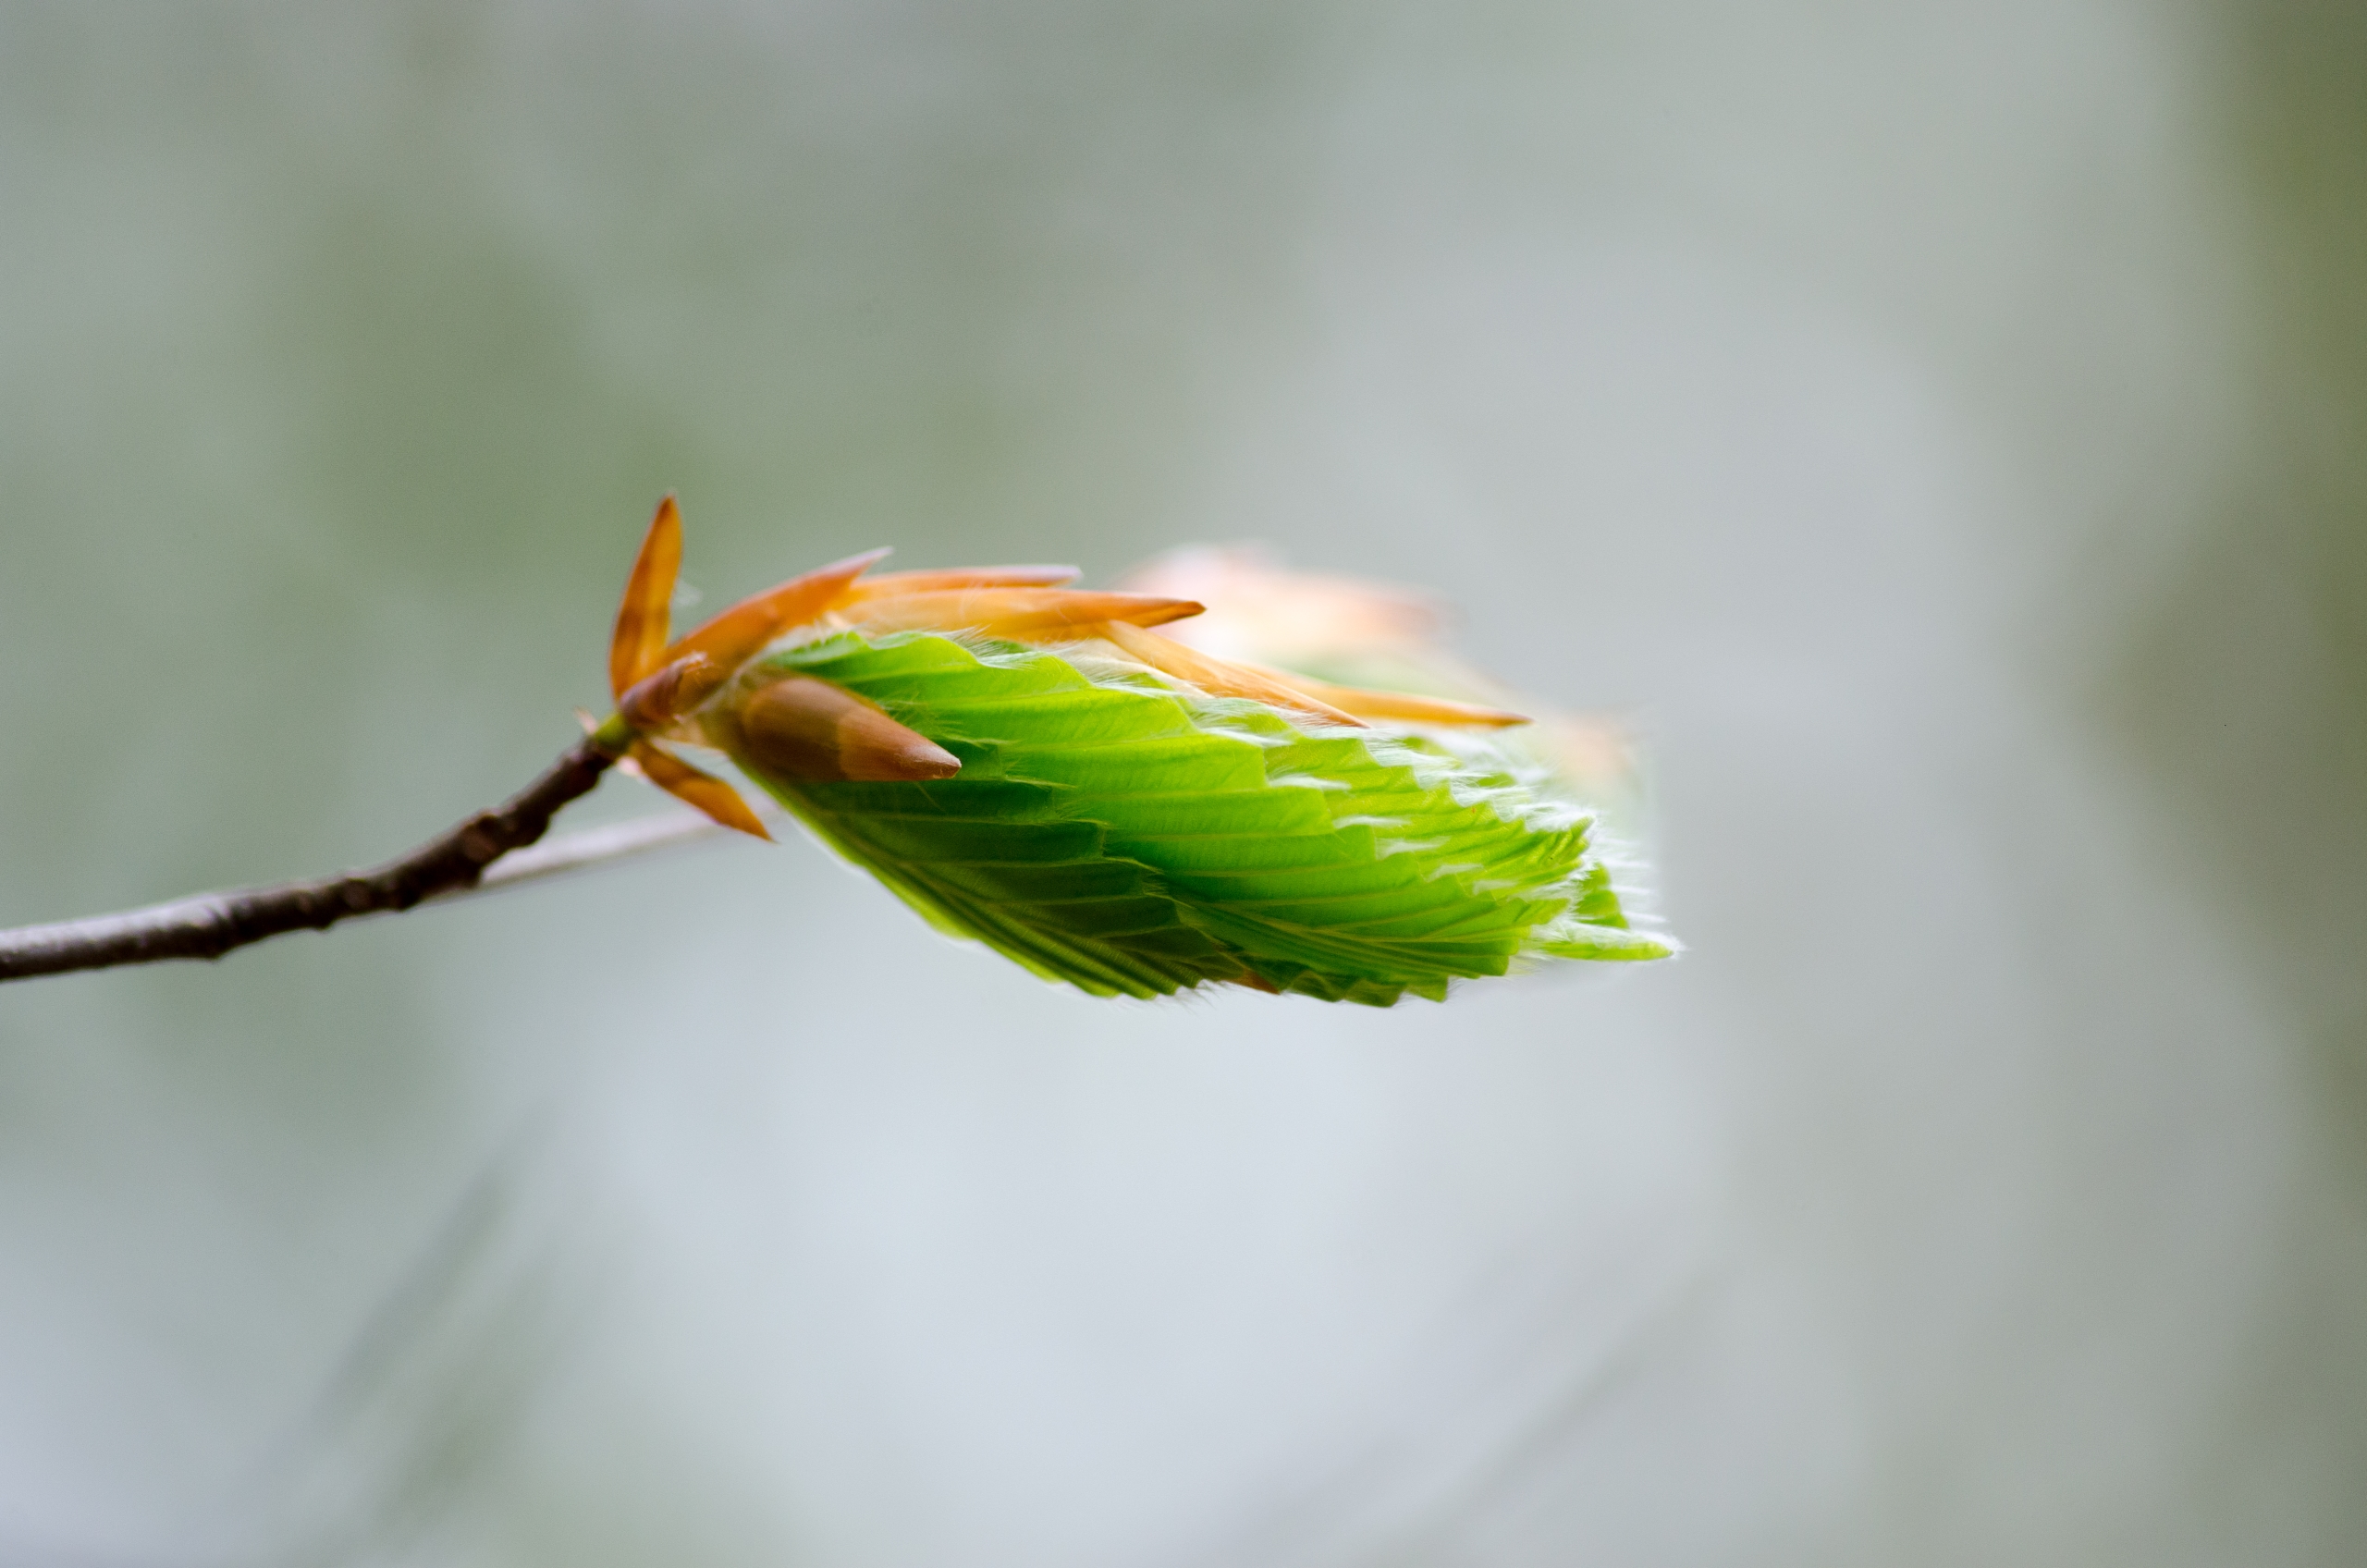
(212, 924)
(562, 853)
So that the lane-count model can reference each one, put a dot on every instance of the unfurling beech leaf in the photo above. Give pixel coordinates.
(1028, 767)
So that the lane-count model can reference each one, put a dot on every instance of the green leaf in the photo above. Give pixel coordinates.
(1133, 839)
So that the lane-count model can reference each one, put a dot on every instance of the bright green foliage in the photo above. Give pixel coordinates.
(1110, 831)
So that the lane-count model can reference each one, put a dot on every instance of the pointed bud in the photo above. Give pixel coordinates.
(801, 728)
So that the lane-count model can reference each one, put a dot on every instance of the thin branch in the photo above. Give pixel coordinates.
(587, 846)
(212, 924)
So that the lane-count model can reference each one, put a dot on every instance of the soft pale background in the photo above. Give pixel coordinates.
(1944, 428)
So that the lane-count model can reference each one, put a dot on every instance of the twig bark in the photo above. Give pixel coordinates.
(212, 924)
(587, 846)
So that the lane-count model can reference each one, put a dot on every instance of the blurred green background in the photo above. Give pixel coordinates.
(1943, 431)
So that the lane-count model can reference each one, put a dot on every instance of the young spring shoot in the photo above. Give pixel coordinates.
(1037, 767)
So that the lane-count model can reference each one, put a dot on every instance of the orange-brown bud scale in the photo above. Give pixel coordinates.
(1402, 706)
(633, 649)
(693, 786)
(1219, 678)
(892, 582)
(1020, 613)
(657, 700)
(740, 632)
